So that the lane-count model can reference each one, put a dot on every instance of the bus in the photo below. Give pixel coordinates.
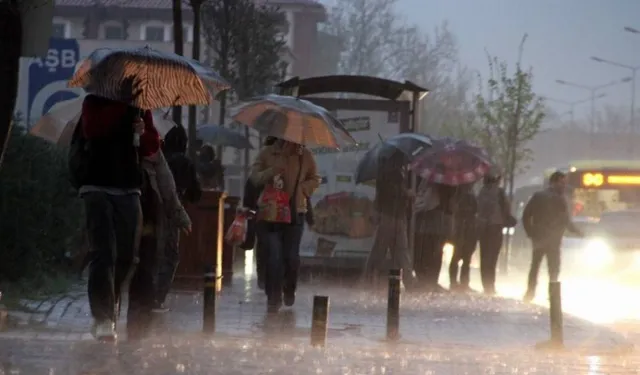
(598, 186)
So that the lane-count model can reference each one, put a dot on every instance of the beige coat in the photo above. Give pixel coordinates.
(285, 160)
(169, 204)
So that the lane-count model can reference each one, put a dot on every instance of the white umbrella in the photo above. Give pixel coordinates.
(58, 124)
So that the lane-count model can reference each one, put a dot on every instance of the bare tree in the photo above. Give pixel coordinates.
(10, 44)
(369, 31)
(250, 57)
(178, 47)
(196, 7)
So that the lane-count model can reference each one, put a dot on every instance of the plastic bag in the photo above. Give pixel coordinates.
(274, 205)
(237, 232)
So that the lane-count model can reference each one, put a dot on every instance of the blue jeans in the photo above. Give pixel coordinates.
(281, 246)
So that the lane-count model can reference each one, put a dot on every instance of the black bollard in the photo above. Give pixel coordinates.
(555, 313)
(393, 305)
(320, 320)
(209, 306)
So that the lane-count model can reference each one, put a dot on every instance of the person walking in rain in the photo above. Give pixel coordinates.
(392, 202)
(187, 188)
(210, 168)
(493, 216)
(433, 229)
(464, 237)
(545, 219)
(104, 162)
(292, 167)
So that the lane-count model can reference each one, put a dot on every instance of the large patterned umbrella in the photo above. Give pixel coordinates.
(163, 79)
(293, 119)
(451, 162)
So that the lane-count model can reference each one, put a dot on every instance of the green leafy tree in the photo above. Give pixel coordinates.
(511, 115)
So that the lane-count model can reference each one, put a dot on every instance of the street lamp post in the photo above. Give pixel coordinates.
(634, 71)
(593, 90)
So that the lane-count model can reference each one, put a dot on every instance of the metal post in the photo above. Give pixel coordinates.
(209, 306)
(393, 305)
(592, 132)
(320, 320)
(555, 313)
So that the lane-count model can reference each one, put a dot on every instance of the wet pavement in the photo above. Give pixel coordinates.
(441, 334)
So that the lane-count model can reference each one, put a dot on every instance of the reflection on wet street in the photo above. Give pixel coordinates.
(195, 355)
(445, 334)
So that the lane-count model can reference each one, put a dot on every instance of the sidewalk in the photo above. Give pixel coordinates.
(356, 318)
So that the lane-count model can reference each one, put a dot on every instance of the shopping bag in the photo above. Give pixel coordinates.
(274, 204)
(237, 232)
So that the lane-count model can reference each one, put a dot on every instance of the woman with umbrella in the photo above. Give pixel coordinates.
(287, 173)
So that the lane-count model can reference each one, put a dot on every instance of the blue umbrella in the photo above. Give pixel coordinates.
(410, 144)
(221, 136)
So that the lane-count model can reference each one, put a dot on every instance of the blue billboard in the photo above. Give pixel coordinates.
(48, 77)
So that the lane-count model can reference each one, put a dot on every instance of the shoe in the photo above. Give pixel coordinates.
(160, 308)
(289, 299)
(528, 297)
(273, 306)
(105, 331)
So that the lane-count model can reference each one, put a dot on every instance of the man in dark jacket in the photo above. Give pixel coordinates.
(115, 137)
(545, 219)
(392, 202)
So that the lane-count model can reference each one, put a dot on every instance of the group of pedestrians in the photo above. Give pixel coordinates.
(133, 186)
(443, 214)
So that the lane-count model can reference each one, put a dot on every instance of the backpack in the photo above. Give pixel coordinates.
(78, 157)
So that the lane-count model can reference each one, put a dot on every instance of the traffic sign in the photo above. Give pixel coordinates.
(48, 77)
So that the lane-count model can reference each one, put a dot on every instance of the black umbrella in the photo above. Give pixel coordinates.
(410, 144)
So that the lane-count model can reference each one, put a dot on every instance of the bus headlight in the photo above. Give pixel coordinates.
(508, 231)
(598, 253)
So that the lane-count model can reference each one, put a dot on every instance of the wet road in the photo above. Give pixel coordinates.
(194, 355)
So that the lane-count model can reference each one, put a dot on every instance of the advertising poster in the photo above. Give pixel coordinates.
(343, 210)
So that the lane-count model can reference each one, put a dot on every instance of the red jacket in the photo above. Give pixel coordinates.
(99, 115)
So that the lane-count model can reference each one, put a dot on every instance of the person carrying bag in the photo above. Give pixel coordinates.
(288, 174)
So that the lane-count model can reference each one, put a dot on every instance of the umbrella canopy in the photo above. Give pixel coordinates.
(164, 79)
(410, 144)
(451, 162)
(57, 125)
(293, 119)
(220, 136)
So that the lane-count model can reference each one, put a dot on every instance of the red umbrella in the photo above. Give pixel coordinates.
(451, 162)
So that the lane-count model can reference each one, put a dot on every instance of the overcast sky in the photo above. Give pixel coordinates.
(563, 34)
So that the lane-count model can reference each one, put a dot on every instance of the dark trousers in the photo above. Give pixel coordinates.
(280, 246)
(464, 247)
(261, 255)
(428, 258)
(113, 223)
(141, 290)
(552, 254)
(168, 263)
(490, 245)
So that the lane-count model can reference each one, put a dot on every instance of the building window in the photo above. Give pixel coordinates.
(153, 33)
(113, 32)
(61, 30)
